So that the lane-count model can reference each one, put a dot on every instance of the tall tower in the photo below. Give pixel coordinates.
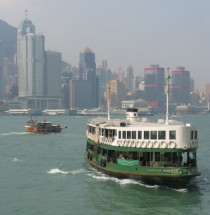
(181, 85)
(130, 78)
(154, 78)
(87, 70)
(30, 61)
(53, 74)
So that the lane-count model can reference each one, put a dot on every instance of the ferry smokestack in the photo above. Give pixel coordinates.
(132, 114)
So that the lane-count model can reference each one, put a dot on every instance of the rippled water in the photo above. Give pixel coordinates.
(46, 174)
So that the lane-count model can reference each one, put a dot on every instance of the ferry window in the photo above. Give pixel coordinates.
(124, 134)
(93, 130)
(196, 135)
(167, 156)
(103, 132)
(128, 134)
(139, 135)
(191, 135)
(154, 135)
(161, 135)
(157, 156)
(146, 135)
(133, 134)
(119, 134)
(89, 129)
(106, 132)
(110, 132)
(114, 132)
(172, 135)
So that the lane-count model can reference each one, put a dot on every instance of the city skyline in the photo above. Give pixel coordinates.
(137, 33)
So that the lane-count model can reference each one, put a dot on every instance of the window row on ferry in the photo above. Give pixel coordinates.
(151, 135)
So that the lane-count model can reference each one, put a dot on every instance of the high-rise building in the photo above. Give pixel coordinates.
(181, 85)
(115, 93)
(104, 75)
(207, 92)
(120, 75)
(87, 65)
(80, 94)
(30, 61)
(130, 78)
(53, 74)
(154, 80)
(87, 70)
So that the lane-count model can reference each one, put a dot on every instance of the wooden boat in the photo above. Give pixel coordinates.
(34, 126)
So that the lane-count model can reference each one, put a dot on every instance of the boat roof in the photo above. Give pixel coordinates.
(143, 122)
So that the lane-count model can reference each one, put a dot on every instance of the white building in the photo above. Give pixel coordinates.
(30, 60)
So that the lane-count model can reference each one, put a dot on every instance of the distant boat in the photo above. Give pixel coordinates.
(34, 126)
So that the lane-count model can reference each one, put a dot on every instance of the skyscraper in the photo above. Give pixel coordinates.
(181, 85)
(104, 75)
(87, 65)
(116, 92)
(130, 78)
(154, 78)
(53, 74)
(30, 60)
(87, 70)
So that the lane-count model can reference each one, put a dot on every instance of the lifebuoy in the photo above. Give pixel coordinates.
(149, 144)
(156, 144)
(133, 144)
(138, 144)
(172, 144)
(163, 145)
(143, 144)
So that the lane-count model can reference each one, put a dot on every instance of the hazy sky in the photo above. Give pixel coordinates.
(170, 33)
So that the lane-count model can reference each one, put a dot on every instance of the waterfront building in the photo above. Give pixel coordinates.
(53, 74)
(181, 85)
(87, 71)
(80, 94)
(30, 61)
(115, 93)
(104, 75)
(154, 83)
(207, 92)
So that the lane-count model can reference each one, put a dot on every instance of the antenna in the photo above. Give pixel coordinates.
(108, 111)
(167, 95)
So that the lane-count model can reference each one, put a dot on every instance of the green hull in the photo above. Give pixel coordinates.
(146, 174)
(169, 176)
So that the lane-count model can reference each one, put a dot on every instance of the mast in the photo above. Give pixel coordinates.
(108, 101)
(167, 96)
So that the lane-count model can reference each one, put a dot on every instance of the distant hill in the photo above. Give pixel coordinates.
(8, 38)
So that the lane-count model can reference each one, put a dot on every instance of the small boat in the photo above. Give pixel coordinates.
(34, 126)
(162, 152)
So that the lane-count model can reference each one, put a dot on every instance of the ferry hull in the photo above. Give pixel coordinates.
(175, 181)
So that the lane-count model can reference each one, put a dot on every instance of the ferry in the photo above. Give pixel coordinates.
(34, 126)
(159, 152)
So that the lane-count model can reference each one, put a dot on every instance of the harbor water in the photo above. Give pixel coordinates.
(46, 174)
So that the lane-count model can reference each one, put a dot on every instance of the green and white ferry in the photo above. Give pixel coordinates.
(161, 152)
